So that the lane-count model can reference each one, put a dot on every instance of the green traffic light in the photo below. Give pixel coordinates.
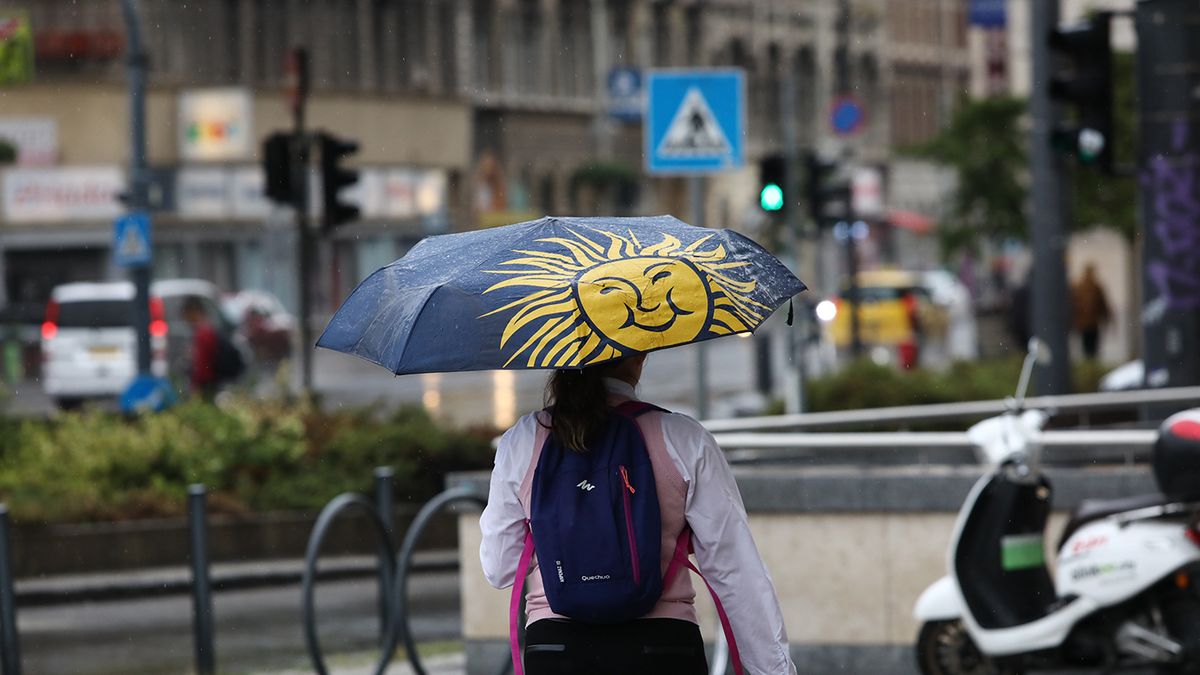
(771, 197)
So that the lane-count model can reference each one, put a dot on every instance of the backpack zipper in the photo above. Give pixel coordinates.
(633, 553)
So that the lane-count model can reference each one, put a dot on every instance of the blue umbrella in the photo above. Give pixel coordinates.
(558, 293)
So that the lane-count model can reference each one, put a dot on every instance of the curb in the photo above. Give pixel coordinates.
(154, 582)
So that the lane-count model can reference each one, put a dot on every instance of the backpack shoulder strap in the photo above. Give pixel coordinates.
(514, 603)
(683, 546)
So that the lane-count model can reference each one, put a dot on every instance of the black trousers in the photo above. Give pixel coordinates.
(645, 646)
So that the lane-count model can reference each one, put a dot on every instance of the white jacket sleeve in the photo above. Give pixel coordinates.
(503, 520)
(726, 554)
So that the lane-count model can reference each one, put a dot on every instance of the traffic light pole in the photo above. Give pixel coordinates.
(791, 229)
(1050, 212)
(138, 199)
(304, 234)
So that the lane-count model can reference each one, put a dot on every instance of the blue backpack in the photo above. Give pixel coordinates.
(596, 524)
(597, 528)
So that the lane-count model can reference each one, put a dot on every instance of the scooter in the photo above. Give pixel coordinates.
(1126, 591)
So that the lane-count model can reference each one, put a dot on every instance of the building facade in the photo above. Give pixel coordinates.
(469, 113)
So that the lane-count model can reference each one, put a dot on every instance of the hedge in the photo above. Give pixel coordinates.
(252, 456)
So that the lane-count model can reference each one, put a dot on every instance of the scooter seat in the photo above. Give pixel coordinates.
(1091, 510)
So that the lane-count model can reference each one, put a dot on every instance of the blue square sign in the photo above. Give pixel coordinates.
(131, 239)
(694, 120)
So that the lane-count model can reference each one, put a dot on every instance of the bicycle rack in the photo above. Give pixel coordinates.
(396, 618)
(340, 503)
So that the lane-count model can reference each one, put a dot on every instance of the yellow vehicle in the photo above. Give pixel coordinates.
(894, 312)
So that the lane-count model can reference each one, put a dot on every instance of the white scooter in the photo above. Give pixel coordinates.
(1126, 594)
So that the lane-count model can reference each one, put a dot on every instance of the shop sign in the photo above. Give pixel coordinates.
(202, 193)
(34, 138)
(65, 194)
(215, 124)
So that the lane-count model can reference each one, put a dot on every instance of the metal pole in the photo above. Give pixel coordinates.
(138, 175)
(791, 223)
(842, 72)
(384, 501)
(304, 238)
(1049, 191)
(202, 613)
(10, 648)
(696, 185)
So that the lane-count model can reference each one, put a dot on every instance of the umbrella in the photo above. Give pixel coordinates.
(558, 293)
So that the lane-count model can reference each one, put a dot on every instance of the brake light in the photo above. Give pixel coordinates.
(50, 325)
(1193, 532)
(910, 304)
(158, 321)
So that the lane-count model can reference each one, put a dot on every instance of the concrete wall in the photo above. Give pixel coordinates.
(850, 550)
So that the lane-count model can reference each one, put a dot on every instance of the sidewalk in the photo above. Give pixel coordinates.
(65, 589)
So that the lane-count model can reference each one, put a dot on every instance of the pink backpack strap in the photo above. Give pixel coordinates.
(514, 603)
(683, 547)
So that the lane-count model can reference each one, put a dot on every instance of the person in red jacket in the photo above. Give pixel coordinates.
(204, 349)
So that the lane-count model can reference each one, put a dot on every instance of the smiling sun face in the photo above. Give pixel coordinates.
(598, 297)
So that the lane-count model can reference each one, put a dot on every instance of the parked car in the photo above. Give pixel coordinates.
(896, 316)
(263, 321)
(89, 347)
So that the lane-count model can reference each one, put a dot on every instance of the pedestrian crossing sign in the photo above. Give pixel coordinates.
(131, 240)
(694, 120)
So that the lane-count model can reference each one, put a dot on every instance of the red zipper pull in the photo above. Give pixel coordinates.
(625, 477)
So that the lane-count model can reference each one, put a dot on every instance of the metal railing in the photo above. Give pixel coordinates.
(1077, 404)
(1125, 446)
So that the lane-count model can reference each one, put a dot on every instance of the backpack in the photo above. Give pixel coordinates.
(596, 526)
(229, 364)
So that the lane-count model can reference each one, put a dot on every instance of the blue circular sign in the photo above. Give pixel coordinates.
(847, 115)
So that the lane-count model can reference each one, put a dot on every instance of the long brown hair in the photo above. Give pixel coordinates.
(578, 402)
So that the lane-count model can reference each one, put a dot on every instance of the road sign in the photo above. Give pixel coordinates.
(846, 116)
(147, 393)
(694, 120)
(625, 94)
(131, 239)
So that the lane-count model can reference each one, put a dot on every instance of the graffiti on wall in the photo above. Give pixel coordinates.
(1172, 182)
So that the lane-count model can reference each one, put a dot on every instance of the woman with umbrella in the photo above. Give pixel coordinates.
(589, 298)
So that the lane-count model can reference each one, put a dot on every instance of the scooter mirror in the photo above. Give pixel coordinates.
(1040, 351)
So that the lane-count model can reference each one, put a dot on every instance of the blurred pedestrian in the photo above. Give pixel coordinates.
(695, 490)
(1089, 310)
(205, 346)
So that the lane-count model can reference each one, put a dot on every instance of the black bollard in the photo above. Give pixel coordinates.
(202, 614)
(10, 648)
(385, 504)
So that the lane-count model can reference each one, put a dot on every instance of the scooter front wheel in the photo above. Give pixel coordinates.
(945, 648)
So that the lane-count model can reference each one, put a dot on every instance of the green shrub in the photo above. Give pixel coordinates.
(864, 384)
(252, 456)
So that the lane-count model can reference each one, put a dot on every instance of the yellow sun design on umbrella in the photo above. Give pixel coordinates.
(602, 296)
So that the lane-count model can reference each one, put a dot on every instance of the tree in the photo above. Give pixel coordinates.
(985, 145)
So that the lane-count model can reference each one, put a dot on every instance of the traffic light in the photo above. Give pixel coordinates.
(277, 168)
(828, 194)
(335, 178)
(1083, 78)
(772, 171)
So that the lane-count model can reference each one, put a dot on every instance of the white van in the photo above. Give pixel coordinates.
(89, 347)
